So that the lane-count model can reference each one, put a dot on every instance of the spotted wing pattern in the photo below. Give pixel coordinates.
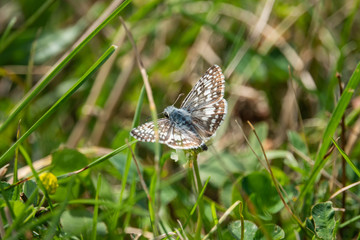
(145, 132)
(207, 107)
(168, 134)
(181, 138)
(209, 89)
(208, 118)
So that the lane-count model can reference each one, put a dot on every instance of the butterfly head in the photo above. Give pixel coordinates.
(168, 110)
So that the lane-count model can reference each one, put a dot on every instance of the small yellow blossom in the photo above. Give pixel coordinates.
(49, 181)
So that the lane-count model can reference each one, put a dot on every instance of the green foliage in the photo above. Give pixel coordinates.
(252, 232)
(250, 229)
(71, 89)
(30, 188)
(78, 222)
(323, 221)
(6, 193)
(260, 191)
(67, 160)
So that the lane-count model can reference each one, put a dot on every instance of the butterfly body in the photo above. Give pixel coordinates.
(182, 119)
(197, 119)
(179, 117)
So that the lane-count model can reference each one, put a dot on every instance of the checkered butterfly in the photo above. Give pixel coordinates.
(197, 119)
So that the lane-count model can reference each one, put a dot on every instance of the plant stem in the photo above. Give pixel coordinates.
(198, 186)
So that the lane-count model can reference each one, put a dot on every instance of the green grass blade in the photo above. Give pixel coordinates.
(97, 161)
(58, 66)
(348, 222)
(132, 195)
(347, 159)
(7, 202)
(28, 23)
(154, 177)
(197, 201)
(331, 128)
(7, 30)
(152, 193)
(4, 158)
(29, 225)
(15, 170)
(128, 158)
(138, 108)
(215, 219)
(17, 221)
(56, 215)
(36, 175)
(96, 208)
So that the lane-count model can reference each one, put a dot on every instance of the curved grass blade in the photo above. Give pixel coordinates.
(5, 41)
(98, 161)
(351, 164)
(44, 81)
(19, 218)
(7, 31)
(129, 157)
(330, 130)
(4, 158)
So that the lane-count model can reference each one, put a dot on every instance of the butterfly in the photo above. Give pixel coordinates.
(199, 116)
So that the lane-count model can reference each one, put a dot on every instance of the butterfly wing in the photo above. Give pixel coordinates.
(209, 89)
(207, 119)
(169, 134)
(207, 107)
(206, 102)
(182, 138)
(146, 133)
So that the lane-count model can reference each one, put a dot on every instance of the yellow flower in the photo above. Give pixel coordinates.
(49, 181)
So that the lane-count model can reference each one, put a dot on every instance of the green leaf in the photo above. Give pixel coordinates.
(288, 157)
(119, 162)
(347, 159)
(67, 160)
(106, 191)
(6, 193)
(324, 220)
(281, 176)
(79, 222)
(262, 194)
(249, 229)
(219, 167)
(310, 225)
(19, 207)
(168, 194)
(63, 189)
(330, 130)
(217, 170)
(273, 231)
(29, 187)
(298, 142)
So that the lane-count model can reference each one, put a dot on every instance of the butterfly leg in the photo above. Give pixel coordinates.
(204, 147)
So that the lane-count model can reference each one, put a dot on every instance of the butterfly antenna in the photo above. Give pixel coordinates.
(181, 94)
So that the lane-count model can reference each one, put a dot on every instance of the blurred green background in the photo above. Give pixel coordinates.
(279, 58)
